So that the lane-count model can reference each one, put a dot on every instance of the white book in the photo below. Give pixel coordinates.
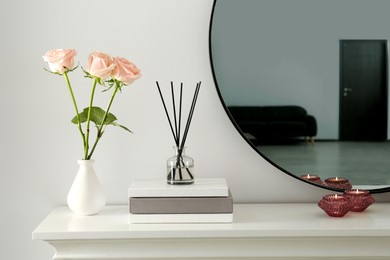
(147, 188)
(180, 218)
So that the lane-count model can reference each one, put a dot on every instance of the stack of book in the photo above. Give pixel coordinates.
(205, 201)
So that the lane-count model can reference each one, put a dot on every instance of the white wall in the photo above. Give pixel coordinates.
(168, 40)
(277, 52)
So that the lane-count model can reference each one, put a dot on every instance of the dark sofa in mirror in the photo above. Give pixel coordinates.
(290, 54)
(274, 124)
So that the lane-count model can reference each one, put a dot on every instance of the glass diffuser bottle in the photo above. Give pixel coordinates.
(180, 168)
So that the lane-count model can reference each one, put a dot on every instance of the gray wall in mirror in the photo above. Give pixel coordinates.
(286, 52)
(281, 52)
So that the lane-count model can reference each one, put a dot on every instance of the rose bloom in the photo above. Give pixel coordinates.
(125, 71)
(60, 60)
(100, 65)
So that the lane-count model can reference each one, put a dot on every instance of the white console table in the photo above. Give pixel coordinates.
(259, 231)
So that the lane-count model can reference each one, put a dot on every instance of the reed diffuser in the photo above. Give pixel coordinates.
(180, 167)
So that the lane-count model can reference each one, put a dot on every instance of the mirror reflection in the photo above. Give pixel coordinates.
(306, 81)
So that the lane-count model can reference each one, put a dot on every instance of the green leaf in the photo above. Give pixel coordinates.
(83, 118)
(122, 126)
(97, 115)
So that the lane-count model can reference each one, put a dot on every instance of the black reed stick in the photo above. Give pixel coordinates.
(178, 133)
(180, 105)
(189, 119)
(166, 111)
(174, 114)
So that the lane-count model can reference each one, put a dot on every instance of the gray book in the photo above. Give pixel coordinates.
(181, 205)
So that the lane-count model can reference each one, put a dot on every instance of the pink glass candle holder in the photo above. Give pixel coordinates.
(338, 183)
(359, 199)
(335, 205)
(312, 178)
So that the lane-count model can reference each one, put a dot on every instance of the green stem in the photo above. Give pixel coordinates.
(99, 135)
(75, 107)
(86, 147)
(100, 129)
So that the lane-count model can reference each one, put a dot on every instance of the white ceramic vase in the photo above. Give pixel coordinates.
(86, 196)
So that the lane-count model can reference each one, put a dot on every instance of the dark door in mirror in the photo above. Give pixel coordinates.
(363, 90)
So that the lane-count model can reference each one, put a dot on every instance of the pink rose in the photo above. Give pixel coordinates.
(60, 60)
(100, 65)
(125, 71)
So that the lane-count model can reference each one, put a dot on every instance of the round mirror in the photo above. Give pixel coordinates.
(305, 83)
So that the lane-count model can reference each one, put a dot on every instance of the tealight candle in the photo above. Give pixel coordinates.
(339, 183)
(359, 199)
(312, 178)
(335, 205)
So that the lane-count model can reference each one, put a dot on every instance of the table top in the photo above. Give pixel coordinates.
(250, 220)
